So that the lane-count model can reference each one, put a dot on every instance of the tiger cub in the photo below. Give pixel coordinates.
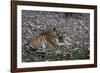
(50, 38)
(46, 37)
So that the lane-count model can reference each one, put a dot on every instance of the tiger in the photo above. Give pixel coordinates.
(47, 36)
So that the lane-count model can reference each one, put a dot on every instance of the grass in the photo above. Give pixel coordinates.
(65, 54)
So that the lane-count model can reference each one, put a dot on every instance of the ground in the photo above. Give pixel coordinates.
(74, 26)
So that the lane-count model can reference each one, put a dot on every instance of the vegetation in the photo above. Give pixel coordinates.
(73, 28)
(56, 55)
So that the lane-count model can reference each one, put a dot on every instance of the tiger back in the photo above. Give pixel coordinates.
(37, 41)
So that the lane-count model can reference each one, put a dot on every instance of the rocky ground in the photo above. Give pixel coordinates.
(74, 26)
